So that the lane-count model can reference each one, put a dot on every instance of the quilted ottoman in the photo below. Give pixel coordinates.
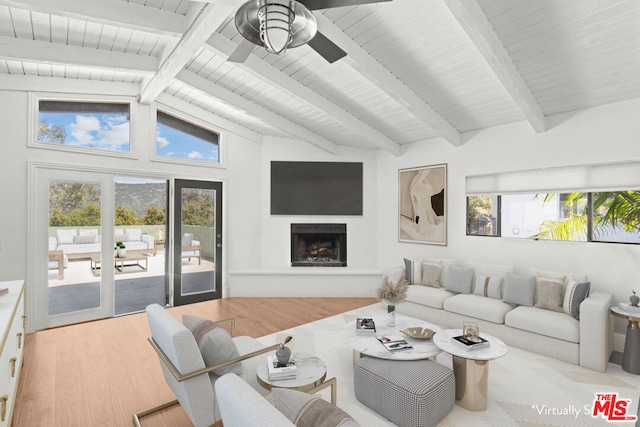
(417, 393)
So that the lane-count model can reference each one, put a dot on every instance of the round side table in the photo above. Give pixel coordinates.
(631, 357)
(311, 372)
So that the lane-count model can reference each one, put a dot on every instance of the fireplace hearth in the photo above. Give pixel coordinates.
(318, 245)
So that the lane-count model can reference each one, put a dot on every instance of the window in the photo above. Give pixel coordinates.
(181, 140)
(88, 125)
(616, 217)
(482, 216)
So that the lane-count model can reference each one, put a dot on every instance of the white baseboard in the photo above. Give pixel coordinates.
(339, 282)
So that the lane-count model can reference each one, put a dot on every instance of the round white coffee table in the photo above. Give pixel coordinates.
(311, 372)
(471, 368)
(370, 346)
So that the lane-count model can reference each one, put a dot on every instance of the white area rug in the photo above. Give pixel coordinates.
(525, 389)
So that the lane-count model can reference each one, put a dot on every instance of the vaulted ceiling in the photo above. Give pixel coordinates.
(414, 70)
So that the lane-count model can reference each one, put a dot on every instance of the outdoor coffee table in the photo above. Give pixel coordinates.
(310, 376)
(471, 368)
(370, 346)
(119, 263)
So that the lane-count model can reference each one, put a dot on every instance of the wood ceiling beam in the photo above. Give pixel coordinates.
(220, 45)
(109, 12)
(474, 22)
(202, 26)
(267, 116)
(371, 69)
(49, 53)
(19, 82)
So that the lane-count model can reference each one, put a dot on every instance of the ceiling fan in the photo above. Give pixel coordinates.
(280, 24)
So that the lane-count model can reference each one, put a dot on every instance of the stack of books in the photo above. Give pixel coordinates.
(629, 308)
(394, 343)
(365, 326)
(463, 342)
(277, 372)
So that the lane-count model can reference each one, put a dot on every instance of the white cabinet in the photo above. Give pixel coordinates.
(12, 320)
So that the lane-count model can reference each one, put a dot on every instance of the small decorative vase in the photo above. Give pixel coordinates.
(634, 299)
(283, 354)
(391, 315)
(122, 253)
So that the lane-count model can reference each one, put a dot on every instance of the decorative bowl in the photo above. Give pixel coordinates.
(419, 333)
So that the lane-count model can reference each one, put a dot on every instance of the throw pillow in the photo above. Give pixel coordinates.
(460, 279)
(133, 234)
(304, 409)
(519, 289)
(573, 297)
(431, 273)
(550, 293)
(119, 237)
(84, 239)
(413, 271)
(65, 236)
(215, 343)
(488, 286)
(187, 239)
(88, 231)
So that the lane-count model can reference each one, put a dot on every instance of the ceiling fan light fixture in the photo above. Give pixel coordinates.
(276, 24)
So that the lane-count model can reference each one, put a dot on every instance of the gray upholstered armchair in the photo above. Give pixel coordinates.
(185, 371)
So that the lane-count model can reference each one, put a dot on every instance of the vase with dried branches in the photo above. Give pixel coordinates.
(392, 293)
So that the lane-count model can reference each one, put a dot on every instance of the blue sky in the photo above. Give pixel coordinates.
(111, 132)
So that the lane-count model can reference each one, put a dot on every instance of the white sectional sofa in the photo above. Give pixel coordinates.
(547, 312)
(83, 242)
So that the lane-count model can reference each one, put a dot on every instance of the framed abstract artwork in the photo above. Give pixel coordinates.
(423, 204)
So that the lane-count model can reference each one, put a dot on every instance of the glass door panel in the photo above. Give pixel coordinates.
(198, 241)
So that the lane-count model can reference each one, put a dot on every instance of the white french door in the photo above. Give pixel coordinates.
(90, 196)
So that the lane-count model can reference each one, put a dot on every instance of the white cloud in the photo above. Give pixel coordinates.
(83, 127)
(162, 141)
(194, 155)
(115, 135)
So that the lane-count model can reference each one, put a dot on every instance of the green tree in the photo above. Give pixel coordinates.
(153, 216)
(124, 216)
(67, 196)
(48, 133)
(198, 208)
(478, 207)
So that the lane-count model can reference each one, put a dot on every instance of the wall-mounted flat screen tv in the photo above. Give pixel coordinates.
(316, 188)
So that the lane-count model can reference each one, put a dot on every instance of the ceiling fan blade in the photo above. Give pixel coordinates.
(326, 4)
(242, 51)
(326, 48)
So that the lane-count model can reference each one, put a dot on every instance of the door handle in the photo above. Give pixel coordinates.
(219, 245)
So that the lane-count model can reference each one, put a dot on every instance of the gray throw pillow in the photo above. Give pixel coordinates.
(460, 279)
(431, 273)
(412, 271)
(215, 343)
(575, 294)
(304, 409)
(519, 289)
(550, 295)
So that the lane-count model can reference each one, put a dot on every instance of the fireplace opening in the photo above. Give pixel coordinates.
(318, 245)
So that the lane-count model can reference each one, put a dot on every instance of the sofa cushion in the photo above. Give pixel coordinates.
(488, 286)
(580, 278)
(413, 271)
(544, 322)
(489, 309)
(84, 239)
(88, 232)
(445, 264)
(65, 235)
(460, 279)
(120, 237)
(549, 293)
(304, 409)
(574, 294)
(133, 234)
(426, 295)
(519, 289)
(431, 273)
(214, 342)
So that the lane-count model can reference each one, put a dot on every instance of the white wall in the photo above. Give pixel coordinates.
(603, 134)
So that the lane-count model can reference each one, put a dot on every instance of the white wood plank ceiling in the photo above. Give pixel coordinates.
(414, 70)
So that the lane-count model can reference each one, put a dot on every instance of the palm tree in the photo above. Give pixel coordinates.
(610, 210)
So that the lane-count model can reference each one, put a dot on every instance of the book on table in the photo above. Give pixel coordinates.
(624, 306)
(470, 344)
(394, 343)
(365, 326)
(278, 372)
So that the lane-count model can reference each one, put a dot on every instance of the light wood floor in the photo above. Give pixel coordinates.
(101, 373)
